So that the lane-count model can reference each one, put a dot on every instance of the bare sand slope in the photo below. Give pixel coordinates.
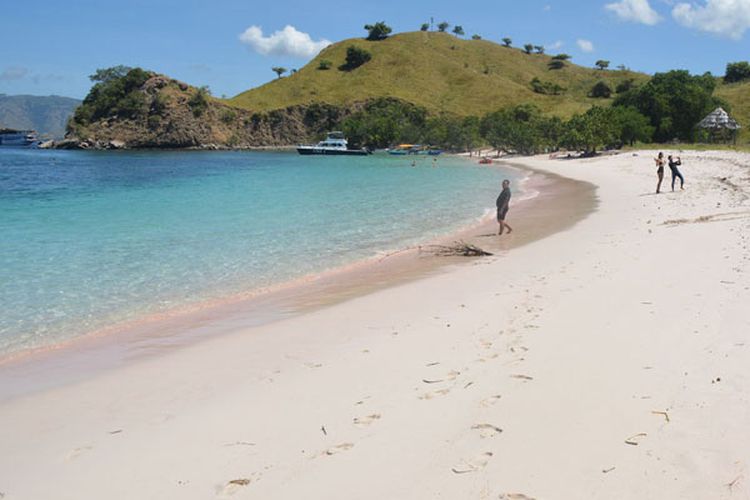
(610, 360)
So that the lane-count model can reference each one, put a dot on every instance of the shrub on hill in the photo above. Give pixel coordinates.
(198, 103)
(546, 88)
(737, 71)
(601, 90)
(324, 64)
(625, 85)
(378, 31)
(355, 57)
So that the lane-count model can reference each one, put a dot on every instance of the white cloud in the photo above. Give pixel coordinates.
(729, 18)
(287, 42)
(639, 11)
(13, 73)
(556, 45)
(585, 45)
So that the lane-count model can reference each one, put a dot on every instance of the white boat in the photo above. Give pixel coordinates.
(334, 144)
(18, 138)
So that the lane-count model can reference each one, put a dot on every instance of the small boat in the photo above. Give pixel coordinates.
(485, 161)
(18, 138)
(414, 149)
(334, 144)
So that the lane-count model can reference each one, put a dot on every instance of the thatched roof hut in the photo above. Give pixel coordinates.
(718, 119)
(719, 126)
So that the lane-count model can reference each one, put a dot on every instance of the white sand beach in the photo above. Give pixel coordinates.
(608, 360)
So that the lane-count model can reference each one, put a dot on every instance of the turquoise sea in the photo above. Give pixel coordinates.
(91, 239)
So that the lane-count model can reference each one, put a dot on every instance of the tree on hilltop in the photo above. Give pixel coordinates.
(458, 30)
(476, 37)
(528, 48)
(737, 71)
(539, 49)
(507, 41)
(108, 74)
(443, 26)
(279, 70)
(378, 31)
(602, 64)
(424, 27)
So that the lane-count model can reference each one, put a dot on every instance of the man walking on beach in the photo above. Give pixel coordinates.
(502, 207)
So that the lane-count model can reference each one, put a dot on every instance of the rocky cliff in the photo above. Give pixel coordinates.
(155, 111)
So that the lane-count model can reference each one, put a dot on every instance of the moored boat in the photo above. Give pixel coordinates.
(18, 138)
(334, 144)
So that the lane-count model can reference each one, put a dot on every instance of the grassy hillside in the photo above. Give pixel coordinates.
(437, 71)
(45, 114)
(738, 96)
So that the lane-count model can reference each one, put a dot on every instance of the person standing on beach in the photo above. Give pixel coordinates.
(659, 170)
(502, 208)
(673, 164)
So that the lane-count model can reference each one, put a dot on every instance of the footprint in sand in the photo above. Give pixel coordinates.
(334, 450)
(475, 464)
(435, 394)
(515, 496)
(366, 421)
(235, 485)
(77, 452)
(487, 430)
(490, 401)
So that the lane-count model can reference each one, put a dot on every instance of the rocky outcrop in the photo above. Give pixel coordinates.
(172, 114)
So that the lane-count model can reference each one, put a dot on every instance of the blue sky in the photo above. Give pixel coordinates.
(50, 46)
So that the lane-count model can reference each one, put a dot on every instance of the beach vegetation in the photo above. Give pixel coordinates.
(458, 30)
(355, 57)
(377, 31)
(507, 42)
(674, 102)
(521, 129)
(633, 126)
(737, 72)
(442, 27)
(591, 131)
(601, 90)
(385, 121)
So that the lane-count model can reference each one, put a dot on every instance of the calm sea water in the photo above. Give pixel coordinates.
(89, 239)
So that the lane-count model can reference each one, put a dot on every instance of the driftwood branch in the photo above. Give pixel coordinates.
(458, 248)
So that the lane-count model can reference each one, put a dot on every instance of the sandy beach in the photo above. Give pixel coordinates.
(605, 360)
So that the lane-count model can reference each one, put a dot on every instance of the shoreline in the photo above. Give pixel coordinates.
(114, 346)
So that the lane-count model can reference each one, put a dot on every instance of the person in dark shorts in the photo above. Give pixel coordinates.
(673, 164)
(502, 208)
(659, 170)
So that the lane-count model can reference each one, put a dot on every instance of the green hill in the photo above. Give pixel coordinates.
(738, 97)
(437, 71)
(45, 114)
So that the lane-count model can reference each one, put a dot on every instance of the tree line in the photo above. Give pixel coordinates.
(666, 108)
